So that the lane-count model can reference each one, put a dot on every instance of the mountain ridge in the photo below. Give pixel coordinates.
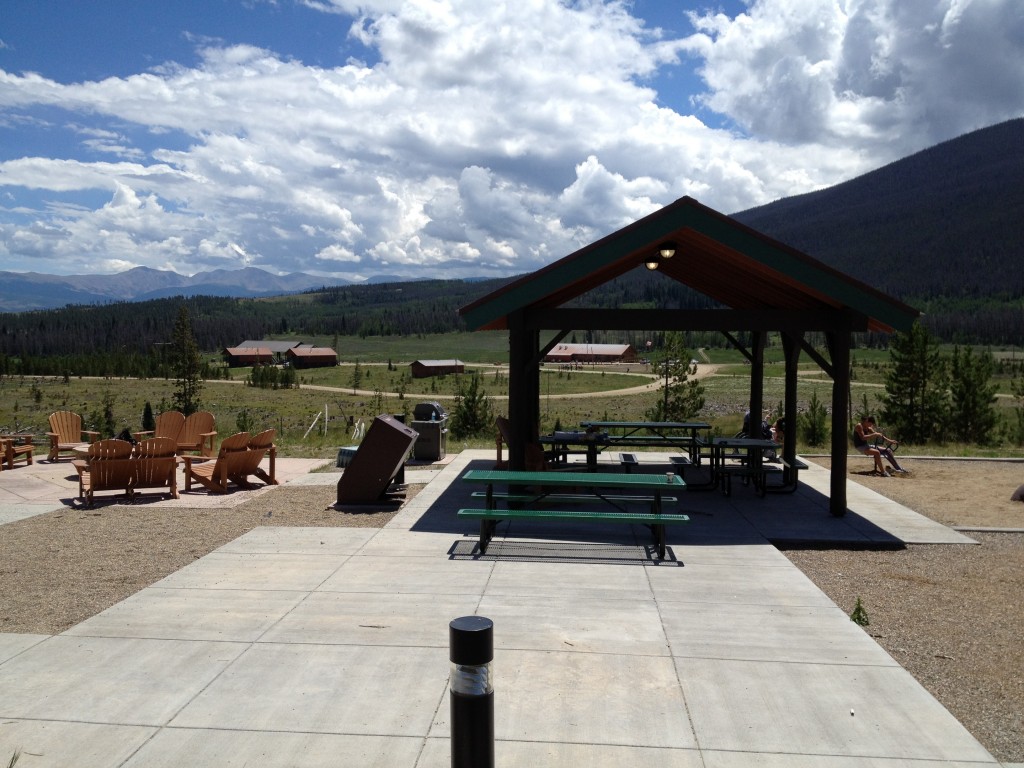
(25, 291)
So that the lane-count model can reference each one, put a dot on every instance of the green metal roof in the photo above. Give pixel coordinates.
(733, 264)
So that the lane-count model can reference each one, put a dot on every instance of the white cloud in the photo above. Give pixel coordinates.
(864, 74)
(487, 137)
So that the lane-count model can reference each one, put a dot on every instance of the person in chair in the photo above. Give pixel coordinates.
(869, 441)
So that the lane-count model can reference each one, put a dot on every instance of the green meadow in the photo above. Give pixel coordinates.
(315, 419)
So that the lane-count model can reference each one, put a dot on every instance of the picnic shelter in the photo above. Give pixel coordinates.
(758, 285)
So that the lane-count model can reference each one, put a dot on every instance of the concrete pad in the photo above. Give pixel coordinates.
(768, 706)
(401, 543)
(714, 759)
(515, 754)
(586, 698)
(109, 680)
(769, 632)
(13, 512)
(737, 586)
(325, 689)
(177, 747)
(192, 614)
(60, 744)
(582, 625)
(356, 618)
(297, 541)
(12, 644)
(872, 510)
(244, 570)
(430, 575)
(762, 555)
(572, 580)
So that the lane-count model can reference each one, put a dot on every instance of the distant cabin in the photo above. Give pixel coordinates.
(422, 369)
(312, 357)
(278, 349)
(591, 353)
(240, 356)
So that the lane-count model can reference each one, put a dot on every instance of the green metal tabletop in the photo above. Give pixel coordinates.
(583, 479)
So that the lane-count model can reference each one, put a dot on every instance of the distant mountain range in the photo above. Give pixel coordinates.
(21, 291)
(944, 223)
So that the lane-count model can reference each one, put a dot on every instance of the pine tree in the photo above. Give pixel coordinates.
(681, 399)
(472, 414)
(914, 405)
(972, 415)
(186, 365)
(148, 421)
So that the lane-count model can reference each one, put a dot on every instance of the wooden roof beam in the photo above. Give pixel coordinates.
(695, 320)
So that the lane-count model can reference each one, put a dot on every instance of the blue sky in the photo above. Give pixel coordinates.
(453, 137)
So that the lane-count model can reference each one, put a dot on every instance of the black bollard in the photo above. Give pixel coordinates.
(471, 650)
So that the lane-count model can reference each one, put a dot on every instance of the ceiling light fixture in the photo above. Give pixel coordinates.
(665, 251)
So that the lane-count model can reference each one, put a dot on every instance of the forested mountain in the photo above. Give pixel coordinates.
(945, 222)
(128, 338)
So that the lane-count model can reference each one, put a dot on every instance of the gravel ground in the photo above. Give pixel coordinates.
(951, 615)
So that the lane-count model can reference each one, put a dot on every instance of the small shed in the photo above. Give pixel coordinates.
(422, 369)
(312, 357)
(240, 356)
(591, 353)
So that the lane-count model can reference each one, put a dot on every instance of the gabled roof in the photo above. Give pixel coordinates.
(729, 262)
(249, 351)
(311, 352)
(273, 346)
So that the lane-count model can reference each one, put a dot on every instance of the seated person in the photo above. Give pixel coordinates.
(865, 435)
(779, 430)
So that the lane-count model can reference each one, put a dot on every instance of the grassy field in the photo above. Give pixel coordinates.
(326, 402)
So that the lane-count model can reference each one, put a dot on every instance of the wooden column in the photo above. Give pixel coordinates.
(756, 383)
(523, 388)
(839, 350)
(791, 350)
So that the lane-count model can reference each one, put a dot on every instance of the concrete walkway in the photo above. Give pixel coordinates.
(317, 647)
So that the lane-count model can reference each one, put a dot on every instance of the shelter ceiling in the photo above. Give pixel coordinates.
(730, 263)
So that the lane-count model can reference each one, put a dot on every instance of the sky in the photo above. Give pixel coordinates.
(455, 138)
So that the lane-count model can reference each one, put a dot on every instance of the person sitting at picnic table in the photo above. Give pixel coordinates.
(869, 441)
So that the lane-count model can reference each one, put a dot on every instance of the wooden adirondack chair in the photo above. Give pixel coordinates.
(167, 424)
(263, 444)
(156, 465)
(197, 433)
(66, 433)
(214, 475)
(109, 467)
(19, 447)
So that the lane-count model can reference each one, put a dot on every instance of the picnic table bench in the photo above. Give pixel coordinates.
(790, 477)
(607, 488)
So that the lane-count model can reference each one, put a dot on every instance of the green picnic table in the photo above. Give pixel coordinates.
(614, 490)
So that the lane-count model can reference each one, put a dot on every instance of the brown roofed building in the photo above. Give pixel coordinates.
(422, 369)
(591, 353)
(239, 356)
(312, 357)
